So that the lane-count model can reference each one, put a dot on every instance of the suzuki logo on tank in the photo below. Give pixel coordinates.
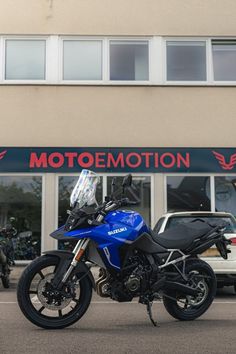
(153, 160)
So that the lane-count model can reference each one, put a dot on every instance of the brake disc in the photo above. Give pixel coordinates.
(201, 297)
(54, 294)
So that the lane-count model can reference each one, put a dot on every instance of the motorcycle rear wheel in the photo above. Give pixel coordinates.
(187, 308)
(46, 308)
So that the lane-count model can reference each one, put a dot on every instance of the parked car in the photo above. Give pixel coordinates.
(225, 270)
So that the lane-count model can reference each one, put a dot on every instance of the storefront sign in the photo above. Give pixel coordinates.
(157, 160)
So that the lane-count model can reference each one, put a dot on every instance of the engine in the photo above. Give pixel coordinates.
(130, 283)
(133, 283)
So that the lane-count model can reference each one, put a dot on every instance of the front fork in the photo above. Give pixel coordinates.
(78, 252)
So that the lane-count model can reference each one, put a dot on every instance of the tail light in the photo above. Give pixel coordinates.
(233, 241)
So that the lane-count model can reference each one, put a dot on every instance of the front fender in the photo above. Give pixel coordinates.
(65, 259)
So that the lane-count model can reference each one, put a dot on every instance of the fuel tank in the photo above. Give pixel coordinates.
(125, 224)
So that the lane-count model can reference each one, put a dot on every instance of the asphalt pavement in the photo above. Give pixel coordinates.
(110, 327)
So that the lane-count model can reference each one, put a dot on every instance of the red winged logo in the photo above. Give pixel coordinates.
(2, 154)
(222, 162)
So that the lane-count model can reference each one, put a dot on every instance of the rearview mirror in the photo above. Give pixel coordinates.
(127, 181)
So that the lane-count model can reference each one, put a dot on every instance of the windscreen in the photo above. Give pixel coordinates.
(84, 192)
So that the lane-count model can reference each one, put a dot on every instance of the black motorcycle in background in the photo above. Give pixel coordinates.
(6, 253)
(24, 246)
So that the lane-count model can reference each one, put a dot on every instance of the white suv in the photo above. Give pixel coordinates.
(225, 269)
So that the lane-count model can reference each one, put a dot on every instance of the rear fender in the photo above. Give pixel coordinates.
(65, 259)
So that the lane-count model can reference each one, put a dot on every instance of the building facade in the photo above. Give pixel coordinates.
(146, 87)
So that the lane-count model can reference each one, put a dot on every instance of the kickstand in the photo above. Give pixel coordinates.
(149, 311)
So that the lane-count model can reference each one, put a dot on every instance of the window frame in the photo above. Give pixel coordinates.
(3, 60)
(186, 82)
(211, 176)
(220, 175)
(221, 82)
(129, 82)
(212, 186)
(62, 39)
(157, 52)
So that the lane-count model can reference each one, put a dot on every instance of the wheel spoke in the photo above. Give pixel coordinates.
(41, 309)
(76, 301)
(33, 292)
(41, 274)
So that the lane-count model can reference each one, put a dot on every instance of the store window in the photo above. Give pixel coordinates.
(66, 185)
(188, 193)
(140, 192)
(20, 207)
(25, 59)
(224, 60)
(129, 60)
(225, 194)
(82, 60)
(186, 60)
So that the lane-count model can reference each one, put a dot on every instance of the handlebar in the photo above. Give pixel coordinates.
(112, 205)
(115, 204)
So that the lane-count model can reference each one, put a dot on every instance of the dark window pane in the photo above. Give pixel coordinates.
(20, 206)
(186, 61)
(225, 194)
(140, 192)
(224, 60)
(188, 193)
(128, 60)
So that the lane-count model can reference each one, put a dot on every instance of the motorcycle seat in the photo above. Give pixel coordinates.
(181, 236)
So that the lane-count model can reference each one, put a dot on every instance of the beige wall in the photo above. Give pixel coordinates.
(117, 116)
(125, 17)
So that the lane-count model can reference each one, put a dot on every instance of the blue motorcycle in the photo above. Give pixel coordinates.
(55, 289)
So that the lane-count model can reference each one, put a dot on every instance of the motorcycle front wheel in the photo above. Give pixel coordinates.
(46, 306)
(185, 307)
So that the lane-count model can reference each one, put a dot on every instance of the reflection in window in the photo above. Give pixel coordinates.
(20, 206)
(180, 220)
(188, 193)
(224, 60)
(140, 192)
(186, 61)
(25, 59)
(225, 194)
(66, 185)
(129, 60)
(82, 60)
